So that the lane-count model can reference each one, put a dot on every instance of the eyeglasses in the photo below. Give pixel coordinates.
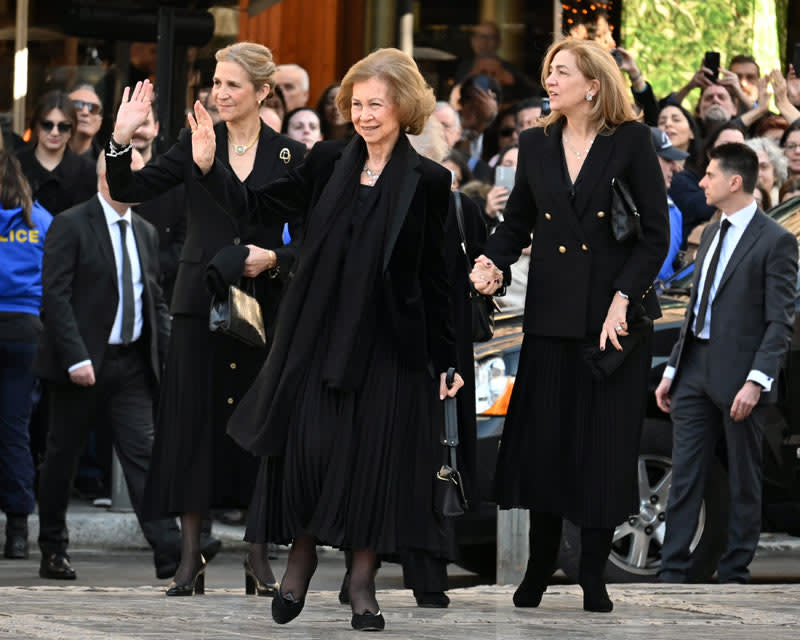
(791, 146)
(93, 107)
(505, 132)
(49, 125)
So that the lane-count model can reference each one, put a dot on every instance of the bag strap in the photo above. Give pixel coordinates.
(460, 221)
(451, 421)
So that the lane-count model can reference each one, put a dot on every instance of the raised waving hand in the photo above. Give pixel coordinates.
(133, 111)
(204, 142)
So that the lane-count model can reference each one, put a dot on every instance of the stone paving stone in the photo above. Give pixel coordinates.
(651, 611)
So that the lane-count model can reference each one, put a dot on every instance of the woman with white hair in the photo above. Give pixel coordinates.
(773, 167)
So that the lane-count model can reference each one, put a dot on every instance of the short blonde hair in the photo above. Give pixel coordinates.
(255, 59)
(612, 105)
(410, 93)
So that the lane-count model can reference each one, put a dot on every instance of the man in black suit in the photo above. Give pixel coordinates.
(723, 368)
(105, 333)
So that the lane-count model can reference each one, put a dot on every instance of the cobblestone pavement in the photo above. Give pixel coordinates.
(644, 611)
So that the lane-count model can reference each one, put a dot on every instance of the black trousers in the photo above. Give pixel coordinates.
(121, 400)
(698, 423)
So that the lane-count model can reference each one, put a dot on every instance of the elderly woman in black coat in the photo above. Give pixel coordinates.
(570, 444)
(345, 403)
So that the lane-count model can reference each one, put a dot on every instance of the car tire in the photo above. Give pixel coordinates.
(636, 551)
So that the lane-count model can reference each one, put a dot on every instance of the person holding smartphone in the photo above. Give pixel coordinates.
(503, 183)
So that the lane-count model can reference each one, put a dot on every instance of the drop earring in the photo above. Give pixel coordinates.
(589, 97)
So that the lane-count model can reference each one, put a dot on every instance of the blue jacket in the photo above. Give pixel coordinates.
(21, 251)
(675, 240)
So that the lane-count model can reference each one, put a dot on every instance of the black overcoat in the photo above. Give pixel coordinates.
(415, 278)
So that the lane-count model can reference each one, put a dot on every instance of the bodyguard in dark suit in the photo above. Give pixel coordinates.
(105, 332)
(723, 368)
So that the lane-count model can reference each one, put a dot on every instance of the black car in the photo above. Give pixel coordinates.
(636, 550)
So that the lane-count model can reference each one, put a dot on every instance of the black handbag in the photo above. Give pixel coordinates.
(625, 219)
(448, 490)
(604, 363)
(238, 315)
(483, 307)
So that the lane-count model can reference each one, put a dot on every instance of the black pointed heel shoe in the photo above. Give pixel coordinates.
(197, 586)
(252, 583)
(286, 608)
(368, 621)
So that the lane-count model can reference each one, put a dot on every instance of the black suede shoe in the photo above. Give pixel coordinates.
(368, 621)
(432, 599)
(286, 608)
(528, 595)
(56, 566)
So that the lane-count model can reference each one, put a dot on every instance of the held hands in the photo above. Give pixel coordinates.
(615, 324)
(259, 260)
(458, 382)
(745, 400)
(204, 142)
(485, 276)
(133, 111)
(83, 376)
(663, 400)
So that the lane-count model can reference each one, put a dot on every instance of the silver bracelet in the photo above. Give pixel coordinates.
(623, 295)
(115, 149)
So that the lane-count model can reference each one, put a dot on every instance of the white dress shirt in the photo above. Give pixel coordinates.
(739, 221)
(112, 219)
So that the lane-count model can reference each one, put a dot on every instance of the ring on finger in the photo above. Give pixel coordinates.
(618, 328)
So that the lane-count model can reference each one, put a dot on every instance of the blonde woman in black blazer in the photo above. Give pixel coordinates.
(570, 444)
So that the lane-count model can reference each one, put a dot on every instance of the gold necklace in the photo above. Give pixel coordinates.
(241, 149)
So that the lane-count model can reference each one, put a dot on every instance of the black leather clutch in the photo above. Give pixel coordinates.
(239, 316)
(604, 363)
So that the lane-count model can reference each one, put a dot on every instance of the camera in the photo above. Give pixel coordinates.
(546, 106)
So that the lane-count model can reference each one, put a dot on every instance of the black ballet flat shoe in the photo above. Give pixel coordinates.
(197, 586)
(528, 595)
(344, 591)
(252, 583)
(595, 599)
(286, 608)
(432, 599)
(368, 621)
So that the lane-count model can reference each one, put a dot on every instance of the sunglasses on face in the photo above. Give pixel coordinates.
(93, 107)
(63, 127)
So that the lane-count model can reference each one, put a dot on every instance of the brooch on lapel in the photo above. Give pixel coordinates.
(285, 155)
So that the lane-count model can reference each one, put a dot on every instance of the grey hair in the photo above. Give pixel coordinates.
(779, 161)
(303, 74)
(446, 105)
(431, 142)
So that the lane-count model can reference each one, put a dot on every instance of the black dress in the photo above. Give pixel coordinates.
(570, 441)
(195, 465)
(347, 405)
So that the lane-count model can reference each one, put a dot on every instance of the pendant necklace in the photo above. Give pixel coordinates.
(372, 175)
(241, 149)
(578, 154)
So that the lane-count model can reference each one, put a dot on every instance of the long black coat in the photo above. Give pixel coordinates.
(415, 278)
(576, 265)
(209, 226)
(74, 180)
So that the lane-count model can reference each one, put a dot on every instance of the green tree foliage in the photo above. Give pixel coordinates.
(668, 38)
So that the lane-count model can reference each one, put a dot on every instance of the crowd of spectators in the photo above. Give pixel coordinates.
(480, 122)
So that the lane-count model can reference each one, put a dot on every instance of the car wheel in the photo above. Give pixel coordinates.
(636, 548)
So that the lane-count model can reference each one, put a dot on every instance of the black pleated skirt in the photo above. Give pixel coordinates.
(195, 464)
(570, 442)
(359, 466)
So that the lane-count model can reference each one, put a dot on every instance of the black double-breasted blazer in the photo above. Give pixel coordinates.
(80, 292)
(576, 264)
(209, 227)
(414, 274)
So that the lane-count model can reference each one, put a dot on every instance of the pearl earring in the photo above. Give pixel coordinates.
(589, 97)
